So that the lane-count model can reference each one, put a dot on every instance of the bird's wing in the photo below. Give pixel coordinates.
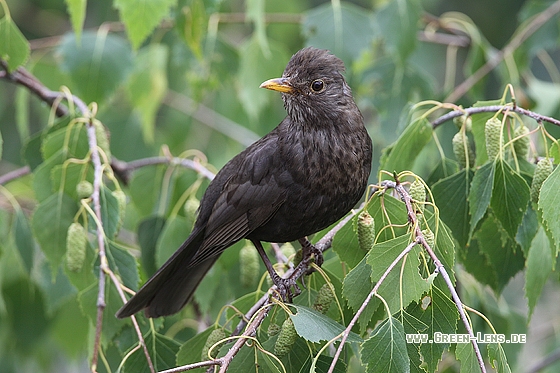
(247, 200)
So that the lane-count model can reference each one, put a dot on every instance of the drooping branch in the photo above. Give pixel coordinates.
(494, 108)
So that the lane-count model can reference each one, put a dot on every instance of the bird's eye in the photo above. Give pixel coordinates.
(317, 86)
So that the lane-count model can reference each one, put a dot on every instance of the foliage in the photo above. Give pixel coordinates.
(96, 123)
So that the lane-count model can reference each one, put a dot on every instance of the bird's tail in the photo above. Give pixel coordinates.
(172, 286)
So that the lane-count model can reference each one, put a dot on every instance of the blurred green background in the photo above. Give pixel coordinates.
(193, 84)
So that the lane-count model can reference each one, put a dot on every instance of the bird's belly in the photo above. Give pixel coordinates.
(307, 213)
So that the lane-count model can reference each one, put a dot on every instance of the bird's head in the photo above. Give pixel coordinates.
(313, 88)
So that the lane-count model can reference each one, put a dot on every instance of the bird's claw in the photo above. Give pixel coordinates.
(287, 288)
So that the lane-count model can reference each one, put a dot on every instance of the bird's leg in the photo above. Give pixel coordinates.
(309, 249)
(284, 285)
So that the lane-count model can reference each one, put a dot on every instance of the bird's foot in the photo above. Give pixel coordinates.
(287, 287)
(310, 250)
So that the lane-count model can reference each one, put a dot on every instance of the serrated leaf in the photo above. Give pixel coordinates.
(14, 47)
(405, 151)
(356, 286)
(109, 212)
(404, 283)
(77, 11)
(413, 326)
(503, 254)
(527, 230)
(441, 316)
(162, 350)
(451, 195)
(465, 354)
(50, 223)
(142, 17)
(97, 66)
(147, 85)
(510, 197)
(540, 261)
(480, 194)
(498, 358)
(124, 264)
(385, 350)
(315, 327)
(549, 203)
(254, 68)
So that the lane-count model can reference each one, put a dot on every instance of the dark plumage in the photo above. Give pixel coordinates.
(298, 179)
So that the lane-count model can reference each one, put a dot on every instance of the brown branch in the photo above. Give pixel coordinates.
(124, 169)
(538, 21)
(494, 108)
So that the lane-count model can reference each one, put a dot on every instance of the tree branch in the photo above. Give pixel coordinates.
(494, 108)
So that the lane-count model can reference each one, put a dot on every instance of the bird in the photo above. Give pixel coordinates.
(300, 178)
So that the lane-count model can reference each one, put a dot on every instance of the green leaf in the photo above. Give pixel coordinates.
(77, 11)
(404, 283)
(385, 350)
(147, 85)
(191, 350)
(498, 358)
(502, 253)
(441, 316)
(357, 284)
(451, 196)
(345, 29)
(510, 197)
(527, 230)
(549, 203)
(24, 239)
(385, 210)
(142, 17)
(88, 303)
(14, 47)
(413, 326)
(315, 327)
(254, 68)
(109, 212)
(124, 264)
(174, 233)
(465, 354)
(97, 66)
(481, 193)
(397, 23)
(148, 233)
(162, 350)
(57, 290)
(540, 261)
(145, 190)
(405, 151)
(50, 222)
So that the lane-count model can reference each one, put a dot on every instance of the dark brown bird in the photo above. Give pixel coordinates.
(297, 180)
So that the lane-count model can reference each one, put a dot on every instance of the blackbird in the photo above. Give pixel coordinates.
(300, 178)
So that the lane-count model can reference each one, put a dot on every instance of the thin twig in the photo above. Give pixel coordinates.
(373, 291)
(405, 197)
(15, 174)
(497, 58)
(494, 108)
